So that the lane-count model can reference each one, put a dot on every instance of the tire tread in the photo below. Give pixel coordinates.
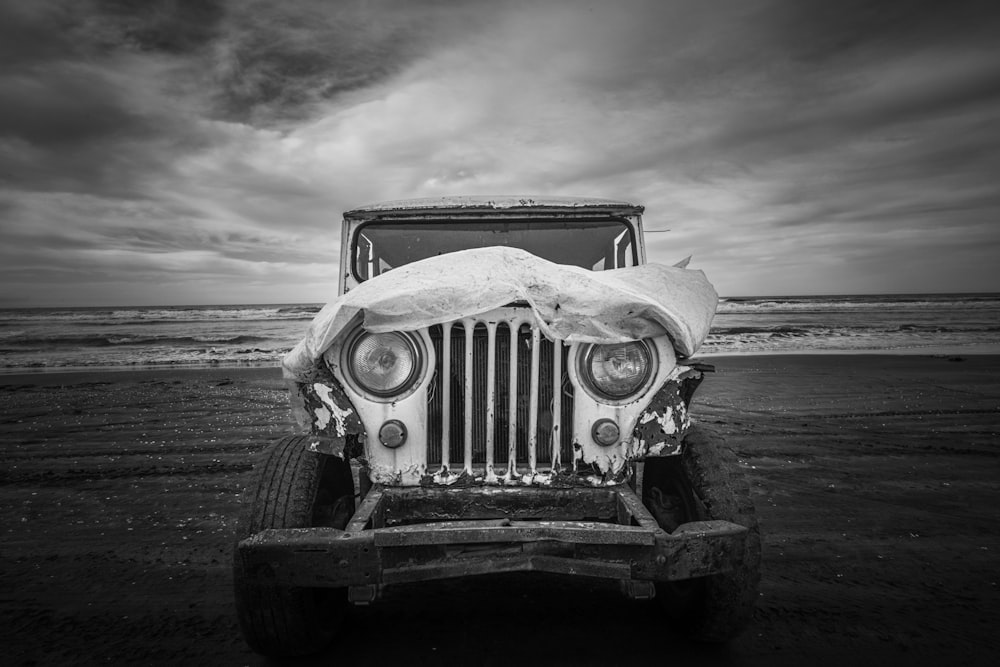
(283, 621)
(722, 487)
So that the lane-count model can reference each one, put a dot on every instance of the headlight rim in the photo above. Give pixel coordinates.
(407, 387)
(602, 396)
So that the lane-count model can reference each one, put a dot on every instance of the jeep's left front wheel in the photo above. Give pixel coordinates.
(706, 482)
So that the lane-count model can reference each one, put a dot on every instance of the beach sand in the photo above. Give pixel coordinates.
(875, 479)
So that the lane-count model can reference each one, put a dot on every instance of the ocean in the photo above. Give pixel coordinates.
(40, 339)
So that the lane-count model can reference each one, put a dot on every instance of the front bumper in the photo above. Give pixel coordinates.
(404, 535)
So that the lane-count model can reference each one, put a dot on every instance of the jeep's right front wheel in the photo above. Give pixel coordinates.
(706, 482)
(293, 488)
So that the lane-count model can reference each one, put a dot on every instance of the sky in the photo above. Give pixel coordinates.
(165, 152)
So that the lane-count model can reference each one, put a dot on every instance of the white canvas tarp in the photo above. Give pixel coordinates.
(569, 303)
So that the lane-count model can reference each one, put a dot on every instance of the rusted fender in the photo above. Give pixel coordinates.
(322, 408)
(662, 425)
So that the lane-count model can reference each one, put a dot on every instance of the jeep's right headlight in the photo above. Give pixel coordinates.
(619, 370)
(383, 364)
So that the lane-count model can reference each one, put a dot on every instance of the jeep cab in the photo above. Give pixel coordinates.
(501, 385)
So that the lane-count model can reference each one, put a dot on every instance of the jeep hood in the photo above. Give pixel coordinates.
(569, 303)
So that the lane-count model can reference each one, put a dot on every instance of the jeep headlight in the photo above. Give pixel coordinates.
(619, 370)
(383, 364)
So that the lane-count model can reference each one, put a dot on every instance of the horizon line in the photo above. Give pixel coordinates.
(321, 303)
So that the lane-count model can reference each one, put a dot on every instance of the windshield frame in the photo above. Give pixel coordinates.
(630, 224)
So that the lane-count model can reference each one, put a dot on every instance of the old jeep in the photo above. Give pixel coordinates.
(512, 382)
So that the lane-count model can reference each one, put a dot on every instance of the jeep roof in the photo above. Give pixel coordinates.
(474, 205)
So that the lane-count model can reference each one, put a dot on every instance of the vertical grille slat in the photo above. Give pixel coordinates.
(444, 447)
(556, 402)
(468, 392)
(533, 401)
(491, 392)
(511, 383)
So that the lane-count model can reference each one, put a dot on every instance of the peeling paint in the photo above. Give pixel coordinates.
(661, 427)
(322, 418)
(338, 414)
(445, 477)
(667, 423)
(384, 475)
(511, 476)
(547, 477)
(491, 475)
(322, 408)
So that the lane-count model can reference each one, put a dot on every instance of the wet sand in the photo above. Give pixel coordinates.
(875, 479)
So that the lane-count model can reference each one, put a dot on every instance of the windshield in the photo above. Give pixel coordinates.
(592, 244)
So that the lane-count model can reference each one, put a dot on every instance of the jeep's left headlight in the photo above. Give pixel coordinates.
(384, 364)
(619, 370)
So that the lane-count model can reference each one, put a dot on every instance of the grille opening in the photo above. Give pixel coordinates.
(502, 388)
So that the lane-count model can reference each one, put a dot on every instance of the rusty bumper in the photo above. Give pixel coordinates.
(403, 535)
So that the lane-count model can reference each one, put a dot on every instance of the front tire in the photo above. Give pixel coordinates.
(706, 482)
(293, 488)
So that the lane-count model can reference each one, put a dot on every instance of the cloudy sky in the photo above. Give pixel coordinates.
(186, 152)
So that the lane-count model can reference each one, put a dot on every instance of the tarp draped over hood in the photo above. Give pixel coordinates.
(569, 303)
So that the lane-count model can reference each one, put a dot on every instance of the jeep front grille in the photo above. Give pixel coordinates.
(494, 406)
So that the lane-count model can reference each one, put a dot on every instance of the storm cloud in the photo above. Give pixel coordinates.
(177, 151)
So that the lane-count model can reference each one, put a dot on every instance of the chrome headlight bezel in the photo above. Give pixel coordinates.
(413, 344)
(637, 389)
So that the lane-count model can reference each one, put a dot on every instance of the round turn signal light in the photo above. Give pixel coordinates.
(392, 434)
(605, 432)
